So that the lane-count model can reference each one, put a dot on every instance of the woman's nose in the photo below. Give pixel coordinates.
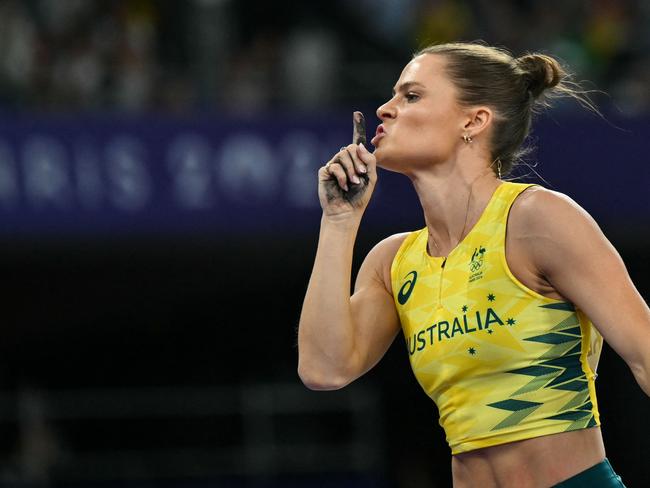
(385, 111)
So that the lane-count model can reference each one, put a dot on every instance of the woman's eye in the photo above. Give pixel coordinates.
(411, 97)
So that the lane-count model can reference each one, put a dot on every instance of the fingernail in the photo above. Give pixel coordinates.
(355, 179)
(362, 146)
(361, 168)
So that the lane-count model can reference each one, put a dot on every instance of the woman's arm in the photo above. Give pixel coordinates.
(568, 249)
(342, 337)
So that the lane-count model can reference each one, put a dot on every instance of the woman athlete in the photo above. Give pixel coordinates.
(496, 296)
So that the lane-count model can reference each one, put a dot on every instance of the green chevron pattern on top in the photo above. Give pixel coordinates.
(571, 415)
(535, 384)
(552, 338)
(569, 360)
(520, 410)
(558, 368)
(570, 321)
(568, 306)
(580, 417)
(576, 349)
(561, 350)
(568, 375)
(580, 399)
(534, 370)
(573, 331)
(574, 385)
(581, 423)
(514, 405)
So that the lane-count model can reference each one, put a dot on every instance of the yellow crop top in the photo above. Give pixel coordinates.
(502, 362)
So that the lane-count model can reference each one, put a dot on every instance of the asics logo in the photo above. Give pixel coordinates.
(407, 287)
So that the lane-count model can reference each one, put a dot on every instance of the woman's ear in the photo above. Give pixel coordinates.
(478, 120)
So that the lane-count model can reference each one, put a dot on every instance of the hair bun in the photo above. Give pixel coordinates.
(540, 72)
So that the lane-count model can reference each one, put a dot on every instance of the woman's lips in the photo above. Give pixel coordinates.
(376, 139)
(378, 135)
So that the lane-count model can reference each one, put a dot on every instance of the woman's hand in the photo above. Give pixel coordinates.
(346, 182)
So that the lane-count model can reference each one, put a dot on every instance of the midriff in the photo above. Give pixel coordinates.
(540, 462)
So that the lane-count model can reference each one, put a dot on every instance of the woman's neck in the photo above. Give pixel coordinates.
(453, 199)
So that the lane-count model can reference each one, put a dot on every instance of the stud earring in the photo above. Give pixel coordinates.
(467, 138)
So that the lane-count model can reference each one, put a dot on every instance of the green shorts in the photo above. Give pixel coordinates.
(599, 476)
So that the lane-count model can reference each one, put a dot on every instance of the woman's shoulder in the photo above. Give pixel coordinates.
(539, 208)
(388, 247)
(548, 229)
(381, 256)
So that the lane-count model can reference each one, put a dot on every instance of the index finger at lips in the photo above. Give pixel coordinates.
(359, 131)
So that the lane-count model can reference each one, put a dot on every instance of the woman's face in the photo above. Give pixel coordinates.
(423, 123)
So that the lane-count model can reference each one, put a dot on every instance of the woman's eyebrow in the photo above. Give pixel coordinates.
(406, 85)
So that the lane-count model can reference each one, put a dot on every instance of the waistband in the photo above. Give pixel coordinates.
(601, 475)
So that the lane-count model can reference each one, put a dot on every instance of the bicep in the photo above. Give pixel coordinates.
(583, 266)
(373, 309)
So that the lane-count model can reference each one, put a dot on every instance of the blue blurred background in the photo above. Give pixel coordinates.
(159, 217)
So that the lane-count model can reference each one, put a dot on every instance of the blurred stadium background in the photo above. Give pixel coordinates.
(159, 219)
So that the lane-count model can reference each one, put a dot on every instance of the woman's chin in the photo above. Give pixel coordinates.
(379, 156)
(385, 162)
